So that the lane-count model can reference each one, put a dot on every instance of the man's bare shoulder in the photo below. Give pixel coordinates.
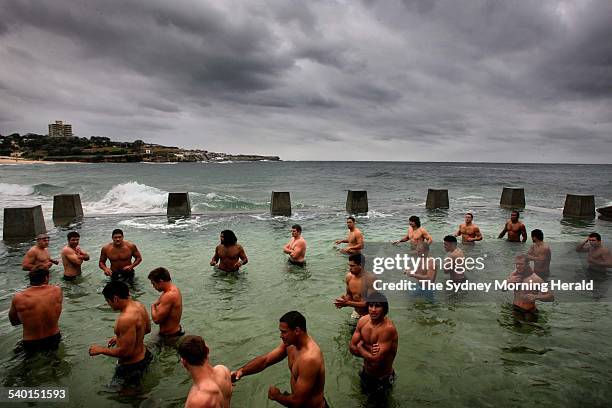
(203, 397)
(107, 247)
(363, 321)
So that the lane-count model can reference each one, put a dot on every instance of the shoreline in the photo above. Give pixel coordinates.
(14, 160)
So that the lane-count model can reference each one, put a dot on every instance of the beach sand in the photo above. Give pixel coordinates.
(18, 160)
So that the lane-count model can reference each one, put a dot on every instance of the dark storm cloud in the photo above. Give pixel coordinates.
(392, 79)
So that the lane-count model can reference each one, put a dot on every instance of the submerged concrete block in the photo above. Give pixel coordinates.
(179, 205)
(280, 204)
(512, 197)
(605, 213)
(23, 223)
(357, 202)
(579, 206)
(67, 206)
(436, 198)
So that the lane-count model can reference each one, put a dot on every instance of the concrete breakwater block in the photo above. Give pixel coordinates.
(512, 197)
(436, 198)
(179, 205)
(67, 206)
(579, 206)
(605, 213)
(357, 202)
(23, 223)
(280, 204)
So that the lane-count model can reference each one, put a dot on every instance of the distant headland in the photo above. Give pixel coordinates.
(98, 149)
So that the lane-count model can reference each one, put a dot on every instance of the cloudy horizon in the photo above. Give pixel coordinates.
(401, 80)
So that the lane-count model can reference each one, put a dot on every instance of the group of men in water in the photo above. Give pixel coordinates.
(375, 338)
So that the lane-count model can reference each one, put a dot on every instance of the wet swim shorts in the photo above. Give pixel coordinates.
(45, 344)
(371, 384)
(130, 375)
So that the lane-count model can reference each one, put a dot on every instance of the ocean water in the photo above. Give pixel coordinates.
(466, 352)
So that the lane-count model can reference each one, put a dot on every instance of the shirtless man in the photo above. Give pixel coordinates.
(354, 240)
(375, 340)
(168, 309)
(38, 309)
(516, 230)
(469, 231)
(120, 254)
(38, 255)
(128, 343)
(305, 364)
(524, 306)
(416, 234)
(426, 266)
(456, 255)
(540, 254)
(296, 247)
(598, 257)
(73, 256)
(229, 254)
(212, 386)
(358, 284)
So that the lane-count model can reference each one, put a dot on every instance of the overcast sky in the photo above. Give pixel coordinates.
(447, 80)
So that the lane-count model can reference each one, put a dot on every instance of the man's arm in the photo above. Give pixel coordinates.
(126, 340)
(478, 235)
(137, 258)
(359, 245)
(302, 389)
(83, 254)
(298, 250)
(580, 247)
(243, 257)
(161, 309)
(354, 345)
(260, 363)
(523, 233)
(13, 316)
(29, 261)
(404, 239)
(102, 262)
(458, 233)
(501, 234)
(215, 257)
(287, 248)
(427, 237)
(72, 256)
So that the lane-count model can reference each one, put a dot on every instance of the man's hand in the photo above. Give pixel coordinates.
(395, 242)
(128, 268)
(273, 393)
(55, 261)
(94, 350)
(47, 264)
(340, 302)
(107, 272)
(236, 375)
(375, 349)
(112, 341)
(338, 242)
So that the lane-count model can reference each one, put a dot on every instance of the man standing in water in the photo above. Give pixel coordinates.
(212, 386)
(375, 340)
(38, 255)
(524, 306)
(73, 256)
(456, 258)
(305, 364)
(128, 343)
(229, 254)
(516, 230)
(296, 247)
(354, 240)
(598, 257)
(416, 234)
(540, 254)
(38, 309)
(120, 254)
(168, 309)
(469, 231)
(358, 284)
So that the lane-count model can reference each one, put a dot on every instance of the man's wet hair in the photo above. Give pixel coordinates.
(416, 220)
(518, 214)
(450, 238)
(160, 274)
(595, 235)
(538, 233)
(525, 259)
(357, 258)
(193, 349)
(350, 217)
(377, 297)
(117, 231)
(116, 288)
(470, 214)
(73, 234)
(229, 238)
(38, 275)
(294, 320)
(297, 227)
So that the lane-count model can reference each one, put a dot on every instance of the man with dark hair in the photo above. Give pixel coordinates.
(38, 309)
(128, 343)
(540, 254)
(598, 257)
(305, 364)
(296, 247)
(469, 231)
(358, 284)
(168, 309)
(416, 234)
(212, 386)
(516, 230)
(120, 254)
(38, 255)
(375, 340)
(229, 254)
(355, 239)
(524, 306)
(456, 259)
(73, 256)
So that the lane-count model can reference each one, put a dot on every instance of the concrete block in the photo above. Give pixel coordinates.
(23, 223)
(67, 206)
(280, 203)
(579, 206)
(605, 213)
(512, 197)
(436, 198)
(179, 205)
(357, 202)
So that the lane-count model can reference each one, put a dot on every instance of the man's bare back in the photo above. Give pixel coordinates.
(214, 390)
(38, 309)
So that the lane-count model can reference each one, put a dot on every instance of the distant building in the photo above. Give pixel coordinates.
(60, 129)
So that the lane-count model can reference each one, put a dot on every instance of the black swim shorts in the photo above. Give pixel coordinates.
(49, 343)
(374, 385)
(130, 375)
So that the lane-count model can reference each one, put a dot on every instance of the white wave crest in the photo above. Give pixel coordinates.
(130, 197)
(16, 189)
